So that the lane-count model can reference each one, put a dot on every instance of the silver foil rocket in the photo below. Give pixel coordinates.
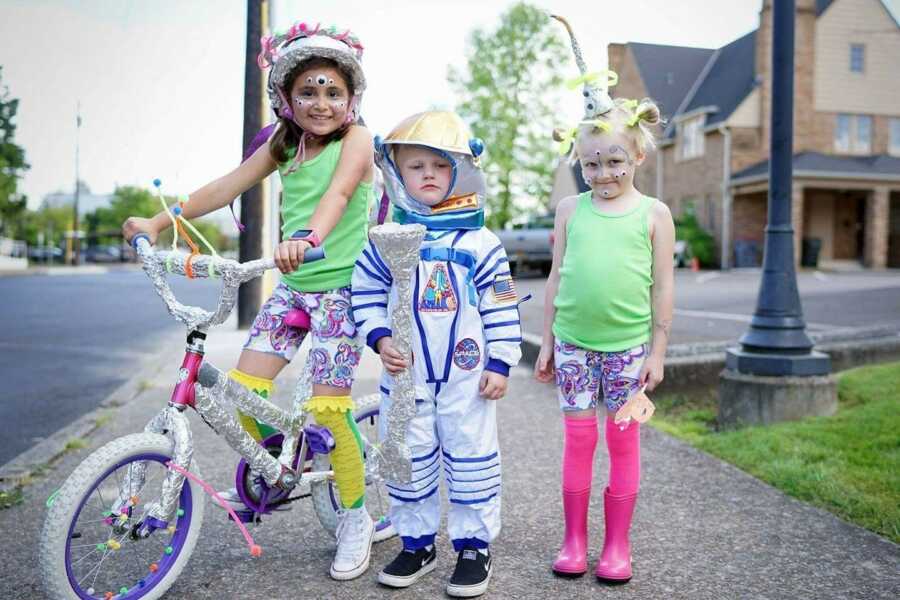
(399, 246)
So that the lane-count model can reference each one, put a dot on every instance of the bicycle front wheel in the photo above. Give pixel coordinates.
(90, 547)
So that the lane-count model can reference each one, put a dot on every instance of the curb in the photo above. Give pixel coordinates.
(18, 471)
(691, 366)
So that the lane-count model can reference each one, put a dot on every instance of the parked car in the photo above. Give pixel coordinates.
(529, 244)
(44, 253)
(103, 254)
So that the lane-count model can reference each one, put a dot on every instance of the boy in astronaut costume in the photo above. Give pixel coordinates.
(465, 337)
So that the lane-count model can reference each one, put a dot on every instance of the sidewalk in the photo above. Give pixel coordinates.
(703, 529)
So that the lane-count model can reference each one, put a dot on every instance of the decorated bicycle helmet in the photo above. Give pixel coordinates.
(284, 51)
(445, 133)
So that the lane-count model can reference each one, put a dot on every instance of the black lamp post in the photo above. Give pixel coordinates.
(776, 343)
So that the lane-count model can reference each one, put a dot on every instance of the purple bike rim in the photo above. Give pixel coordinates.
(165, 561)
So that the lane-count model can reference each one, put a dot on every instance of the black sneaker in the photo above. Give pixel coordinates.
(471, 575)
(408, 567)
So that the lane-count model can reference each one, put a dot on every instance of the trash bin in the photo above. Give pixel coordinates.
(809, 252)
(746, 254)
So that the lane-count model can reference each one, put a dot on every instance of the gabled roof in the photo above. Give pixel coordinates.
(728, 79)
(815, 164)
(669, 72)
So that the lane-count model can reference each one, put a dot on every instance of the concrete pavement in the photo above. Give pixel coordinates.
(703, 529)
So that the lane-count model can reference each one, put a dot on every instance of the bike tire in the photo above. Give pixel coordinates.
(78, 496)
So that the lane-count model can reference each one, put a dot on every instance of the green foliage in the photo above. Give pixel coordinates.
(700, 243)
(509, 93)
(848, 463)
(12, 167)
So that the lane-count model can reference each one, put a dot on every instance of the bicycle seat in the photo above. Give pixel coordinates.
(297, 318)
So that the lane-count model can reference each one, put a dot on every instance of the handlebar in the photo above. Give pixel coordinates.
(157, 263)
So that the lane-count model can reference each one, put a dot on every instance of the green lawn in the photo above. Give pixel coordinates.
(848, 464)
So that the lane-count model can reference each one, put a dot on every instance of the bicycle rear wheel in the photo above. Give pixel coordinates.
(90, 549)
(326, 498)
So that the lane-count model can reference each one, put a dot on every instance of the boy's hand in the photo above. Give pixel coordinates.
(392, 360)
(135, 225)
(652, 372)
(493, 385)
(543, 367)
(289, 255)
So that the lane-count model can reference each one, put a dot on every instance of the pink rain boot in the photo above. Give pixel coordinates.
(614, 565)
(572, 558)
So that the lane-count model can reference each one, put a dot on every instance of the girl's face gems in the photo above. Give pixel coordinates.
(321, 98)
(607, 165)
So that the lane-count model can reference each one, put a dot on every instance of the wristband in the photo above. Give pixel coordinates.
(307, 235)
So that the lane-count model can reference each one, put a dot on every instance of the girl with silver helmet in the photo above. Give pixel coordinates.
(465, 339)
(325, 161)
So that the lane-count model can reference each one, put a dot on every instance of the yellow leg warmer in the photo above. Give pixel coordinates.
(257, 385)
(335, 413)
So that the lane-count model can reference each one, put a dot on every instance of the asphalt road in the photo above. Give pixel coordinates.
(717, 306)
(68, 341)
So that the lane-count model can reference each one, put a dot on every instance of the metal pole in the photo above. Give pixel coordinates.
(76, 243)
(776, 342)
(250, 293)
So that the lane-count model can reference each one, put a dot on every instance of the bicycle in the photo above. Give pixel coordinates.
(124, 524)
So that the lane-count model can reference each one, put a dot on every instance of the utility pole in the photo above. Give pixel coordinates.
(75, 239)
(250, 293)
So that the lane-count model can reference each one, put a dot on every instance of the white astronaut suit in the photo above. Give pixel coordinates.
(465, 321)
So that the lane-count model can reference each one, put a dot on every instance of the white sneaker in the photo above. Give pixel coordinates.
(355, 532)
(232, 499)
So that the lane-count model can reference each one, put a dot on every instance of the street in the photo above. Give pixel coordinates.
(69, 341)
(715, 306)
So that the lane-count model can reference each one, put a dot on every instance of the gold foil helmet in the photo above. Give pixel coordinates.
(447, 134)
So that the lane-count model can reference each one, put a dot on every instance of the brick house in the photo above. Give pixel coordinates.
(713, 154)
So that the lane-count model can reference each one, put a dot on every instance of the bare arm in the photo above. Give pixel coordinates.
(543, 368)
(211, 196)
(662, 236)
(354, 165)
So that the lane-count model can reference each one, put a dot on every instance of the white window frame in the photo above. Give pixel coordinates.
(894, 136)
(691, 137)
(861, 56)
(853, 144)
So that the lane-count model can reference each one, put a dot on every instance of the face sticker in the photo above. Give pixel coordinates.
(321, 79)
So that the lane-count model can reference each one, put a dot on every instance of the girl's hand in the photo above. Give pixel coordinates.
(492, 386)
(289, 255)
(392, 360)
(135, 225)
(652, 372)
(544, 368)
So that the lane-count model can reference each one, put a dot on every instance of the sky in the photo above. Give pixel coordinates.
(160, 83)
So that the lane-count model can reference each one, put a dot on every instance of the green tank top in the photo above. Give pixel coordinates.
(603, 302)
(302, 190)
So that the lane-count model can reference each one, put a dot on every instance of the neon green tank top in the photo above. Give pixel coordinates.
(603, 302)
(302, 190)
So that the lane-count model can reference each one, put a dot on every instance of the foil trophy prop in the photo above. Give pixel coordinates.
(399, 246)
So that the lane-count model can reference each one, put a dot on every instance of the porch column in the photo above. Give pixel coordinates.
(797, 219)
(876, 227)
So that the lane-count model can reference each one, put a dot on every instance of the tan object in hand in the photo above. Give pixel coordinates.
(638, 407)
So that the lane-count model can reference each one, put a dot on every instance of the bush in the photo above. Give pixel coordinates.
(700, 243)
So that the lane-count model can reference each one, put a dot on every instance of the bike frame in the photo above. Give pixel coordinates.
(202, 387)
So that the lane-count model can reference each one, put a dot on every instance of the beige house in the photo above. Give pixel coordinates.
(713, 155)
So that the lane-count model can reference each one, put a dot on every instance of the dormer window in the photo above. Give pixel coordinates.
(690, 137)
(857, 58)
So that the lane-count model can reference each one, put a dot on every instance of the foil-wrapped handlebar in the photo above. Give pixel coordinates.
(157, 263)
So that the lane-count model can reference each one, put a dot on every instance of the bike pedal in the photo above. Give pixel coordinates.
(319, 439)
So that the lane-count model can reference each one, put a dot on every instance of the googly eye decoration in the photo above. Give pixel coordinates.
(321, 79)
(309, 80)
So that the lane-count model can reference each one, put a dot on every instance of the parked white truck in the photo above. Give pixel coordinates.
(529, 245)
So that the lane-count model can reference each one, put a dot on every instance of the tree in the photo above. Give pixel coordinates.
(508, 90)
(105, 223)
(12, 167)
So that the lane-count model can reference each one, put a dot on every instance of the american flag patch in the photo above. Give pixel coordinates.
(504, 289)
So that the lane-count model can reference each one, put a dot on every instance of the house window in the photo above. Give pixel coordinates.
(853, 134)
(894, 143)
(857, 58)
(691, 137)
